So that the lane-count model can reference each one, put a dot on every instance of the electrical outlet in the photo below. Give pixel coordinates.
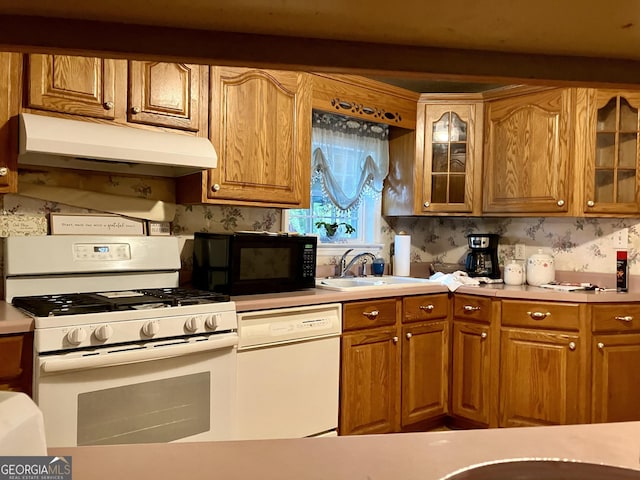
(621, 239)
(520, 251)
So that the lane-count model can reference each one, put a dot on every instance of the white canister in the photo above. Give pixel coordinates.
(513, 273)
(540, 269)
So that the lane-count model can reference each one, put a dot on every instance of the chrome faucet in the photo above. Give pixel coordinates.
(345, 267)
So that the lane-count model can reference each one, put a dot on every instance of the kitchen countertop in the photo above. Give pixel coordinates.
(404, 456)
(245, 303)
(13, 320)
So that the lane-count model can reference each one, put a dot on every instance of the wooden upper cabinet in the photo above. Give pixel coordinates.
(10, 97)
(170, 95)
(448, 157)
(74, 85)
(611, 150)
(261, 129)
(527, 153)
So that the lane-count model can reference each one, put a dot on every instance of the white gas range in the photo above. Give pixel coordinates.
(122, 354)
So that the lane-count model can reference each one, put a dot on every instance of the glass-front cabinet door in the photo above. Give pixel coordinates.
(447, 157)
(612, 180)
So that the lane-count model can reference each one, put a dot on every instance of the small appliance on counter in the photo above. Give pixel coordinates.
(482, 259)
(244, 263)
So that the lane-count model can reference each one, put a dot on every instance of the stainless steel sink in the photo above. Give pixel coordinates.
(543, 469)
(361, 283)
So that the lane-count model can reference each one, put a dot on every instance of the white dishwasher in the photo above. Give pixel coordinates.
(288, 372)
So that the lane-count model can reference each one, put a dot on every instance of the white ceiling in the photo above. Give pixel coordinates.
(587, 28)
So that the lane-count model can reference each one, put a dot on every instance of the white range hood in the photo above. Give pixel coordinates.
(63, 143)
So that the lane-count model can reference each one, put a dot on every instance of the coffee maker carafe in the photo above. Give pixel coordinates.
(482, 259)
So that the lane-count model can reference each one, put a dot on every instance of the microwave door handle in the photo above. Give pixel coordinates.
(54, 365)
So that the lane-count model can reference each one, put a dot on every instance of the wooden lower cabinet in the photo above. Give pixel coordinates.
(616, 377)
(394, 364)
(540, 378)
(16, 362)
(425, 371)
(369, 393)
(471, 376)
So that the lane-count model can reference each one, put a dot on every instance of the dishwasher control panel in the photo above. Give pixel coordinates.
(266, 327)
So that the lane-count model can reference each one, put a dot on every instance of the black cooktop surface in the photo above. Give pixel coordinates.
(79, 303)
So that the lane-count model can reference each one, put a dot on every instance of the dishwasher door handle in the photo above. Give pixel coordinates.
(148, 352)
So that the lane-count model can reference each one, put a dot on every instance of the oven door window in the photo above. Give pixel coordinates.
(158, 411)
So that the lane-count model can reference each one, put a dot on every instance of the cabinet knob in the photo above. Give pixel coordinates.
(626, 318)
(372, 315)
(590, 203)
(470, 308)
(215, 187)
(427, 204)
(395, 339)
(600, 346)
(135, 109)
(560, 203)
(4, 171)
(483, 335)
(108, 105)
(572, 345)
(409, 335)
(427, 308)
(539, 315)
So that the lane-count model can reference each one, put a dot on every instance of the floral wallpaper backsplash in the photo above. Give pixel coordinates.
(578, 244)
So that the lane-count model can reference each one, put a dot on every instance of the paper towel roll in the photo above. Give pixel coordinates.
(402, 255)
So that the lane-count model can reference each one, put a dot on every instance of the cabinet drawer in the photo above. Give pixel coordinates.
(425, 307)
(622, 317)
(368, 314)
(547, 315)
(472, 308)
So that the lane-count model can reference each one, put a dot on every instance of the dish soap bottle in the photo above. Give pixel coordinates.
(540, 269)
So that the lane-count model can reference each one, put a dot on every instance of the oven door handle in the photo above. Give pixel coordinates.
(148, 353)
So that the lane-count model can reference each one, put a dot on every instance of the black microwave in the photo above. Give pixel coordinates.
(248, 263)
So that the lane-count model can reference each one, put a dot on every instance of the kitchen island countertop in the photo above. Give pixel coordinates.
(405, 456)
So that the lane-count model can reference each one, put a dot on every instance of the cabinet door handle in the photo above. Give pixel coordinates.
(3, 171)
(483, 335)
(572, 345)
(539, 315)
(427, 308)
(600, 346)
(626, 318)
(427, 204)
(135, 109)
(591, 203)
(560, 203)
(470, 308)
(395, 339)
(215, 187)
(108, 105)
(372, 315)
(409, 335)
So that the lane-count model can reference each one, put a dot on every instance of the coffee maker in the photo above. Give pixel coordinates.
(482, 259)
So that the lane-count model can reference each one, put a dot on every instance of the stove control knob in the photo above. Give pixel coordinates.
(191, 325)
(103, 333)
(151, 328)
(76, 336)
(212, 321)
